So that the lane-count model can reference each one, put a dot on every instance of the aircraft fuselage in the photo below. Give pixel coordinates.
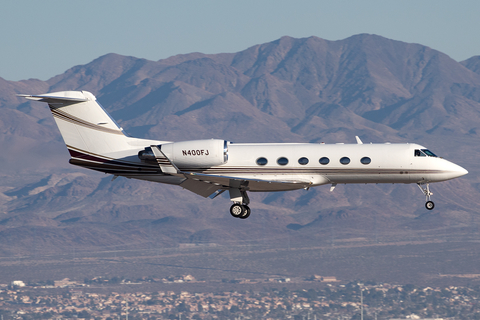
(210, 167)
(311, 164)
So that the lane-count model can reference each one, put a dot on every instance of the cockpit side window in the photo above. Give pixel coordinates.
(429, 153)
(419, 153)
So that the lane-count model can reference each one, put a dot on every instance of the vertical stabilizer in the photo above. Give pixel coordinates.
(85, 126)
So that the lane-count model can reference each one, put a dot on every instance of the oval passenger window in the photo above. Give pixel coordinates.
(282, 161)
(303, 161)
(262, 161)
(366, 160)
(324, 160)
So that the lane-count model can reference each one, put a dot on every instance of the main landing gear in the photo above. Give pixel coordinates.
(239, 208)
(241, 211)
(426, 191)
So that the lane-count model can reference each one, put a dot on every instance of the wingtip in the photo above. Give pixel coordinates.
(28, 96)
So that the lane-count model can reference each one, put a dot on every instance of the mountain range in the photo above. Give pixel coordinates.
(288, 90)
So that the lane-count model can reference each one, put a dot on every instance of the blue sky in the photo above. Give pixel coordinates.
(40, 39)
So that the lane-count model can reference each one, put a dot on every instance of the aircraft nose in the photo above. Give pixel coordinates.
(451, 170)
(461, 171)
(457, 171)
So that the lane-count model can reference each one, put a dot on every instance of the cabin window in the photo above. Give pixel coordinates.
(262, 161)
(324, 160)
(345, 160)
(365, 160)
(282, 161)
(303, 161)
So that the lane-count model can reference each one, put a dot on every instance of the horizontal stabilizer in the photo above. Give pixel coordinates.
(52, 97)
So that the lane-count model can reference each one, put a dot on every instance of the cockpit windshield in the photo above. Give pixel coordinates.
(424, 153)
(429, 153)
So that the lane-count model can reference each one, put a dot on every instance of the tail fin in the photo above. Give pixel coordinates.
(85, 126)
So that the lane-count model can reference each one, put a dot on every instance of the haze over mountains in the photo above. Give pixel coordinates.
(288, 90)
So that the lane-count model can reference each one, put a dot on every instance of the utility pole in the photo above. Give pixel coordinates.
(361, 303)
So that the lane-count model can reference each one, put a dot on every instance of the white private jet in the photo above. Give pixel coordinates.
(210, 167)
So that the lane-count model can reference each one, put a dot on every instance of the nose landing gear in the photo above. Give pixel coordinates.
(426, 191)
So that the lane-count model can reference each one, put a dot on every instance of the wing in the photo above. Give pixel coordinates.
(226, 182)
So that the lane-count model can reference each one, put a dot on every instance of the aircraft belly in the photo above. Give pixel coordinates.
(371, 178)
(423, 178)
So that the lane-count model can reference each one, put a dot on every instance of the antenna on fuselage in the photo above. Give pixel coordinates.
(358, 140)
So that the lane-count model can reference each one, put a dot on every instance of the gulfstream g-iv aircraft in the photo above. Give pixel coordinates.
(211, 167)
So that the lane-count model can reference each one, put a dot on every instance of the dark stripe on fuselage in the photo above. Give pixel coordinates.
(306, 171)
(72, 119)
(113, 169)
(80, 155)
(91, 159)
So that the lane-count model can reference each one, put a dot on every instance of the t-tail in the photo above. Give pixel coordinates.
(90, 133)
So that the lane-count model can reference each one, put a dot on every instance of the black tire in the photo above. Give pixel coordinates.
(236, 210)
(429, 205)
(246, 212)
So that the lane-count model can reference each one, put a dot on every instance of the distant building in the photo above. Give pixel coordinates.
(65, 283)
(416, 318)
(316, 277)
(188, 277)
(18, 283)
(330, 279)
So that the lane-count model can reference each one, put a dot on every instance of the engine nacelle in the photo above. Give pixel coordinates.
(192, 154)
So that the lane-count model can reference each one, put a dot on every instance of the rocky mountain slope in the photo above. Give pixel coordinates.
(288, 90)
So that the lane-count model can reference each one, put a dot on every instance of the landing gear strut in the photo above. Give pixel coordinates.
(426, 191)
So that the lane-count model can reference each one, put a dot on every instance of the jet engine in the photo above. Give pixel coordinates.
(191, 154)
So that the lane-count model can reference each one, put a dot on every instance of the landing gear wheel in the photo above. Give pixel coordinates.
(236, 210)
(246, 212)
(429, 205)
